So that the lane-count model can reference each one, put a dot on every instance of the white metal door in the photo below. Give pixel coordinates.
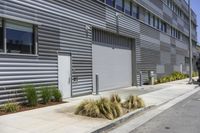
(64, 75)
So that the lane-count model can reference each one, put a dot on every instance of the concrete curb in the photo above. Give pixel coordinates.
(120, 120)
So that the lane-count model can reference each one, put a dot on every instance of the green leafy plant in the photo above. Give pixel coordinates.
(31, 95)
(115, 98)
(45, 95)
(10, 107)
(194, 74)
(56, 94)
(172, 77)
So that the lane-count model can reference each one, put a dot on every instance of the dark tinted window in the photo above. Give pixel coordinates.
(158, 23)
(149, 18)
(128, 7)
(135, 10)
(154, 21)
(138, 12)
(19, 38)
(1, 37)
(111, 2)
(119, 5)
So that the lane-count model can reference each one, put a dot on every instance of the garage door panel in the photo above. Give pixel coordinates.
(112, 60)
(113, 67)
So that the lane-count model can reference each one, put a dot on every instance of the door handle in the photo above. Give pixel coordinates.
(69, 80)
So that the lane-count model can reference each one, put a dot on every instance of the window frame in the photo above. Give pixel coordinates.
(2, 35)
(35, 39)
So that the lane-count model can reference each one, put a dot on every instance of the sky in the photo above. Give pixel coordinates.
(195, 5)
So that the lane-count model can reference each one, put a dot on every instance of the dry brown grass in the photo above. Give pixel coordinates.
(108, 108)
(133, 102)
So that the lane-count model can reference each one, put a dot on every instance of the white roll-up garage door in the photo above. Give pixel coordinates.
(112, 60)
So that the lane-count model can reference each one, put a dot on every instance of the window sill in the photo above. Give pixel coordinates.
(16, 54)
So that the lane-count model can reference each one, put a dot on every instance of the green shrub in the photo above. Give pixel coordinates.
(31, 95)
(88, 108)
(56, 94)
(115, 98)
(133, 102)
(10, 107)
(194, 74)
(45, 95)
(172, 77)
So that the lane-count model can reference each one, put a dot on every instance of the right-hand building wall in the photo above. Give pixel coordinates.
(168, 50)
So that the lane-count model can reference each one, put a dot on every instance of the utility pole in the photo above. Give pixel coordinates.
(190, 44)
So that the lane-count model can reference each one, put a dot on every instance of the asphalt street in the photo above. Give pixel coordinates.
(183, 117)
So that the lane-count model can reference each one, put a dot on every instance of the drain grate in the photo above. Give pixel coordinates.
(167, 128)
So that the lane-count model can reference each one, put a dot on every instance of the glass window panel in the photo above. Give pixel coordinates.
(146, 17)
(165, 27)
(134, 10)
(127, 7)
(110, 2)
(149, 18)
(154, 22)
(119, 5)
(138, 12)
(19, 37)
(158, 23)
(1, 37)
(162, 26)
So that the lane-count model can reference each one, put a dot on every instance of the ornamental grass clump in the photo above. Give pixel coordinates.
(116, 109)
(88, 108)
(102, 108)
(130, 103)
(140, 103)
(104, 105)
(31, 95)
(133, 102)
(115, 98)
(11, 107)
(109, 108)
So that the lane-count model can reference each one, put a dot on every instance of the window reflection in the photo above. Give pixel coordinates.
(19, 38)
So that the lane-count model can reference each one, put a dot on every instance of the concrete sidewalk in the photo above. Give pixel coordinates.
(61, 119)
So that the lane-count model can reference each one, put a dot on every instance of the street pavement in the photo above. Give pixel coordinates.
(184, 117)
(61, 118)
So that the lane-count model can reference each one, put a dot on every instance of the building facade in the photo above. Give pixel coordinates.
(72, 43)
